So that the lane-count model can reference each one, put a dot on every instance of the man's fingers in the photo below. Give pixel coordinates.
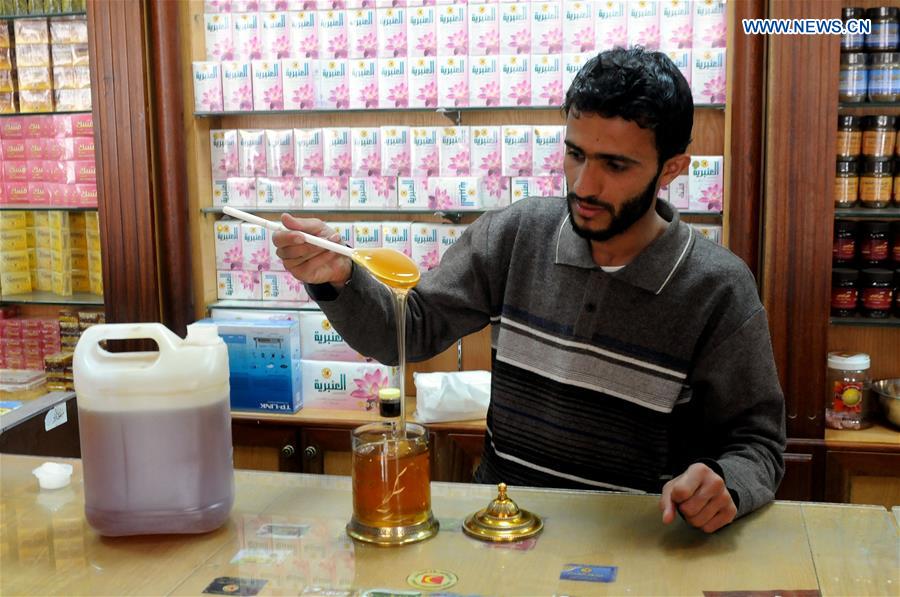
(722, 518)
(666, 504)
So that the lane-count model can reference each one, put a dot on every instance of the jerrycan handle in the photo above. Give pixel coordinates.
(90, 340)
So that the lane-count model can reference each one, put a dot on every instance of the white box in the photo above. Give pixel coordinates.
(515, 81)
(238, 285)
(547, 186)
(520, 188)
(218, 35)
(572, 64)
(309, 152)
(332, 34)
(412, 193)
(705, 183)
(282, 286)
(578, 23)
(710, 24)
(345, 231)
(393, 90)
(391, 32)
(396, 235)
(229, 251)
(220, 193)
(275, 35)
(373, 192)
(319, 341)
(643, 24)
(423, 92)
(494, 191)
(298, 80)
(610, 25)
(546, 80)
(278, 191)
(454, 193)
(546, 27)
(453, 151)
(424, 151)
(484, 81)
(329, 191)
(682, 59)
(251, 152)
(516, 151)
(675, 25)
(515, 28)
(345, 386)
(207, 87)
(223, 150)
(334, 92)
(452, 31)
(280, 152)
(337, 151)
(484, 30)
(485, 149)
(452, 81)
(425, 247)
(362, 33)
(421, 32)
(679, 196)
(237, 87)
(448, 234)
(268, 94)
(304, 33)
(241, 191)
(367, 235)
(395, 154)
(245, 34)
(255, 247)
(365, 151)
(708, 75)
(363, 83)
(548, 150)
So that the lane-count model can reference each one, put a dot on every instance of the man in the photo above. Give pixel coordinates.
(629, 353)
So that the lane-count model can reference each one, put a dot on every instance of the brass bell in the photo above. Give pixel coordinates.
(502, 521)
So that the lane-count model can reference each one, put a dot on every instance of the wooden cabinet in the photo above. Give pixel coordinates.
(266, 447)
(863, 467)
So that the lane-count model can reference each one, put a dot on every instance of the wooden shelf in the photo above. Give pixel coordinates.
(25, 207)
(864, 108)
(885, 213)
(49, 298)
(43, 15)
(885, 322)
(11, 114)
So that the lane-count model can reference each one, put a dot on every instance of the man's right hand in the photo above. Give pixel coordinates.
(306, 262)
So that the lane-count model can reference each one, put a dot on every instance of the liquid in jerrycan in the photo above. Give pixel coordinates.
(155, 430)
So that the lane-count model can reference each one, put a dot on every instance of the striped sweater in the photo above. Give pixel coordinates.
(600, 380)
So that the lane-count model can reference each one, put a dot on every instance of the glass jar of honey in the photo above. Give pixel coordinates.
(875, 183)
(848, 404)
(876, 292)
(849, 137)
(885, 33)
(852, 42)
(853, 86)
(844, 293)
(874, 244)
(884, 77)
(846, 183)
(843, 251)
(879, 136)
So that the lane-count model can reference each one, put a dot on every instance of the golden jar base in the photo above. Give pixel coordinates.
(400, 535)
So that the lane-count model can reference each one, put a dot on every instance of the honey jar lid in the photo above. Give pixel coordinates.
(502, 521)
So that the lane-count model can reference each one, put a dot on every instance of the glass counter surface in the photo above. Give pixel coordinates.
(48, 548)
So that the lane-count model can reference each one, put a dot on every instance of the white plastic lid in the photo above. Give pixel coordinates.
(52, 475)
(848, 361)
(202, 334)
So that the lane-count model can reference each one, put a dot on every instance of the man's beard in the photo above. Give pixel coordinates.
(630, 212)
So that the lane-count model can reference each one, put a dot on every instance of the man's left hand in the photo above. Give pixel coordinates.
(701, 497)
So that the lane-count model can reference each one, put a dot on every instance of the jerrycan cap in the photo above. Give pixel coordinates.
(53, 475)
(202, 334)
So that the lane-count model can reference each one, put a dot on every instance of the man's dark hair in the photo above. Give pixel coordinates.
(643, 87)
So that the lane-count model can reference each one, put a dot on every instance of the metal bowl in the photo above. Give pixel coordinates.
(888, 391)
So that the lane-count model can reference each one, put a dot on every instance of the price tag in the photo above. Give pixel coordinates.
(55, 417)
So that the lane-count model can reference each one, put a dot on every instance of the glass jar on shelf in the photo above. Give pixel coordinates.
(884, 77)
(849, 137)
(873, 242)
(879, 136)
(844, 293)
(854, 80)
(844, 247)
(885, 33)
(876, 292)
(875, 182)
(852, 42)
(846, 183)
(848, 404)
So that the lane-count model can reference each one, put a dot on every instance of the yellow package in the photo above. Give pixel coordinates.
(72, 100)
(4, 34)
(13, 240)
(81, 281)
(7, 103)
(14, 261)
(95, 263)
(32, 259)
(34, 280)
(70, 55)
(71, 77)
(34, 78)
(44, 280)
(59, 240)
(13, 220)
(36, 101)
(29, 219)
(78, 240)
(40, 218)
(58, 220)
(77, 219)
(92, 220)
(79, 259)
(7, 81)
(92, 234)
(43, 258)
(29, 235)
(62, 283)
(61, 262)
(93, 246)
(31, 31)
(69, 30)
(96, 283)
(42, 237)
(15, 282)
(32, 55)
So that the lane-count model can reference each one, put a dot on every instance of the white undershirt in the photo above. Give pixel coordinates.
(611, 269)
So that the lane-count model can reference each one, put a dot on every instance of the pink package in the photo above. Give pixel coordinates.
(484, 30)
(453, 151)
(207, 87)
(453, 81)
(280, 152)
(37, 127)
(709, 24)
(422, 82)
(421, 31)
(516, 151)
(708, 75)
(17, 192)
(268, 94)
(86, 195)
(367, 235)
(546, 80)
(15, 171)
(365, 151)
(484, 81)
(572, 63)
(282, 286)
(298, 82)
(309, 153)
(229, 248)
(412, 193)
(278, 191)
(82, 148)
(373, 192)
(494, 191)
(396, 235)
(334, 92)
(424, 151)
(15, 149)
(276, 264)
(363, 83)
(85, 170)
(12, 127)
(39, 194)
(425, 248)
(675, 25)
(344, 230)
(255, 247)
(82, 125)
(237, 86)
(515, 28)
(39, 149)
(546, 28)
(515, 81)
(453, 192)
(275, 35)
(578, 23)
(395, 154)
(610, 25)
(682, 59)
(643, 24)
(337, 151)
(241, 192)
(304, 32)
(38, 171)
(679, 196)
(239, 285)
(223, 150)
(331, 192)
(362, 33)
(220, 193)
(251, 152)
(245, 35)
(452, 31)
(218, 34)
(548, 150)
(332, 34)
(392, 42)
(485, 150)
(448, 234)
(393, 89)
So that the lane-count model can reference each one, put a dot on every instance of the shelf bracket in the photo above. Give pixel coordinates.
(455, 116)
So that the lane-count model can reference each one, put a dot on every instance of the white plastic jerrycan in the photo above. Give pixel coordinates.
(155, 431)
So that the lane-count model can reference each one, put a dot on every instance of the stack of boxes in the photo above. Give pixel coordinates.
(71, 64)
(7, 79)
(25, 342)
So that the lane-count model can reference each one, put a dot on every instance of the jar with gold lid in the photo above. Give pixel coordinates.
(875, 183)
(853, 84)
(846, 183)
(879, 136)
(849, 137)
